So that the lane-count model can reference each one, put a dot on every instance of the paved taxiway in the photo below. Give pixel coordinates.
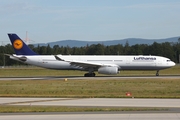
(95, 116)
(92, 78)
(92, 102)
(101, 102)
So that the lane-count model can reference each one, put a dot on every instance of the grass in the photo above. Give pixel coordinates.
(16, 109)
(140, 88)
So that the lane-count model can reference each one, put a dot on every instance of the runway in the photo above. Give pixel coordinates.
(171, 104)
(95, 116)
(91, 78)
(91, 102)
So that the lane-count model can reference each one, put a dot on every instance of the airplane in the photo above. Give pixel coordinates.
(104, 64)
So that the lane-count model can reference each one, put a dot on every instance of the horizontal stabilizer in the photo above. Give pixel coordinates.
(20, 58)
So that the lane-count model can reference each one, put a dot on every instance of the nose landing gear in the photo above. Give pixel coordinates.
(157, 73)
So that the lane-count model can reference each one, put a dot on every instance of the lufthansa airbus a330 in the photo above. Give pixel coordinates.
(104, 64)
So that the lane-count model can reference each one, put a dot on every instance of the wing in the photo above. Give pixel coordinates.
(84, 64)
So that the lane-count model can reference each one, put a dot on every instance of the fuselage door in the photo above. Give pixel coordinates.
(159, 62)
(127, 60)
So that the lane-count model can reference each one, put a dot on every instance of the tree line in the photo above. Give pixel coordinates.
(169, 50)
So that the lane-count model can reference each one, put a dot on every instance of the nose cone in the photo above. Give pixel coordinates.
(173, 63)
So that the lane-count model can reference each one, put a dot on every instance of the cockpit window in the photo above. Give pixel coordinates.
(168, 60)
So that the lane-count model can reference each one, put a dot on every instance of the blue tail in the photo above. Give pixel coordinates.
(19, 46)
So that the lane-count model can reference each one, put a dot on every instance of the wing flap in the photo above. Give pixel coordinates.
(85, 64)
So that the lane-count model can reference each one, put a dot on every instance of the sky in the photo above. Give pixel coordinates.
(89, 20)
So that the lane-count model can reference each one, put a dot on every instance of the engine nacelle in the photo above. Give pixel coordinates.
(108, 70)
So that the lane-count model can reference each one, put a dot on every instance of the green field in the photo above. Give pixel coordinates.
(112, 88)
(15, 109)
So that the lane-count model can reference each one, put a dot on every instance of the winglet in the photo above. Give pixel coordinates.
(58, 58)
(19, 46)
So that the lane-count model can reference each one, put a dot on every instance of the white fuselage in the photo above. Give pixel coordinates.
(134, 62)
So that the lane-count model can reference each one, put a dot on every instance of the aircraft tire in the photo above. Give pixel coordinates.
(157, 73)
(89, 75)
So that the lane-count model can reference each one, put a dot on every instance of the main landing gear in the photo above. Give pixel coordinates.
(157, 73)
(89, 74)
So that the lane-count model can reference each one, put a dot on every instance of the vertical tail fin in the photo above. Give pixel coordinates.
(19, 46)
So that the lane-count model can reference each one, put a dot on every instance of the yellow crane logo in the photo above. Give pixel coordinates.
(18, 44)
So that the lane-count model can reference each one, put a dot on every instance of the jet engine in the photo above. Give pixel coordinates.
(108, 70)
